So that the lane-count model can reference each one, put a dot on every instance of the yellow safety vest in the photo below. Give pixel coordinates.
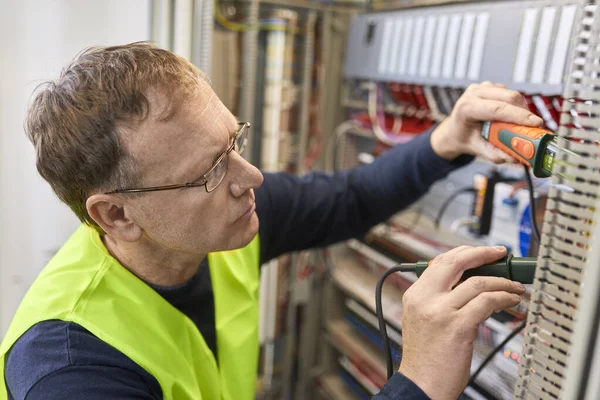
(84, 284)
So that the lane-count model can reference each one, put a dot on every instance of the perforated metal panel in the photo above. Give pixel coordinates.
(562, 321)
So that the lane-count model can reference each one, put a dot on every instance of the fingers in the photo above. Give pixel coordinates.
(446, 269)
(478, 109)
(485, 304)
(488, 101)
(502, 94)
(476, 285)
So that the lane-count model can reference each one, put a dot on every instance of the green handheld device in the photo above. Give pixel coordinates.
(520, 269)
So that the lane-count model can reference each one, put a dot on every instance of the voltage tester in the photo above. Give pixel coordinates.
(520, 269)
(534, 147)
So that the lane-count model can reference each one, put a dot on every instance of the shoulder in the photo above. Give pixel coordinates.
(52, 346)
(41, 350)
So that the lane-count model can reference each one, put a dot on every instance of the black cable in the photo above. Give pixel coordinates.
(449, 200)
(536, 230)
(379, 311)
(497, 349)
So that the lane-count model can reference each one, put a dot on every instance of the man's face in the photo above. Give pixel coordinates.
(182, 149)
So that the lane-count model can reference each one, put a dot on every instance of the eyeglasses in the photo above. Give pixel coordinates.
(214, 176)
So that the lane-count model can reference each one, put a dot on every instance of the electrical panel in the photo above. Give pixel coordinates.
(404, 71)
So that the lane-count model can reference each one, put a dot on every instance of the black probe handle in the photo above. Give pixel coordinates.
(520, 269)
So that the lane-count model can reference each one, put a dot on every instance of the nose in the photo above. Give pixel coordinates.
(244, 176)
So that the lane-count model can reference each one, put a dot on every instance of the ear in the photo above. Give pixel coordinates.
(111, 212)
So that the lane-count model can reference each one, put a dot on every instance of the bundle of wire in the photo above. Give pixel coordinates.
(377, 117)
(411, 268)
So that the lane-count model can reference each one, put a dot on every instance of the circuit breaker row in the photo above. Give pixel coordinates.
(524, 44)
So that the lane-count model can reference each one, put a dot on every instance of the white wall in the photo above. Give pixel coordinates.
(37, 38)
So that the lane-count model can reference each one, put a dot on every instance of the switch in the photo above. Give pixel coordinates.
(528, 149)
(523, 147)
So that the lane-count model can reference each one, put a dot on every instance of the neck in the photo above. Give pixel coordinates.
(154, 265)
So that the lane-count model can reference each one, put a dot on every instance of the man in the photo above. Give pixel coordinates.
(155, 296)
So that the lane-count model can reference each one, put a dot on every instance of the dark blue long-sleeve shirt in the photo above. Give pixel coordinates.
(62, 360)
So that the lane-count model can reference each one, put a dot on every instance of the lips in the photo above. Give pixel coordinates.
(248, 212)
